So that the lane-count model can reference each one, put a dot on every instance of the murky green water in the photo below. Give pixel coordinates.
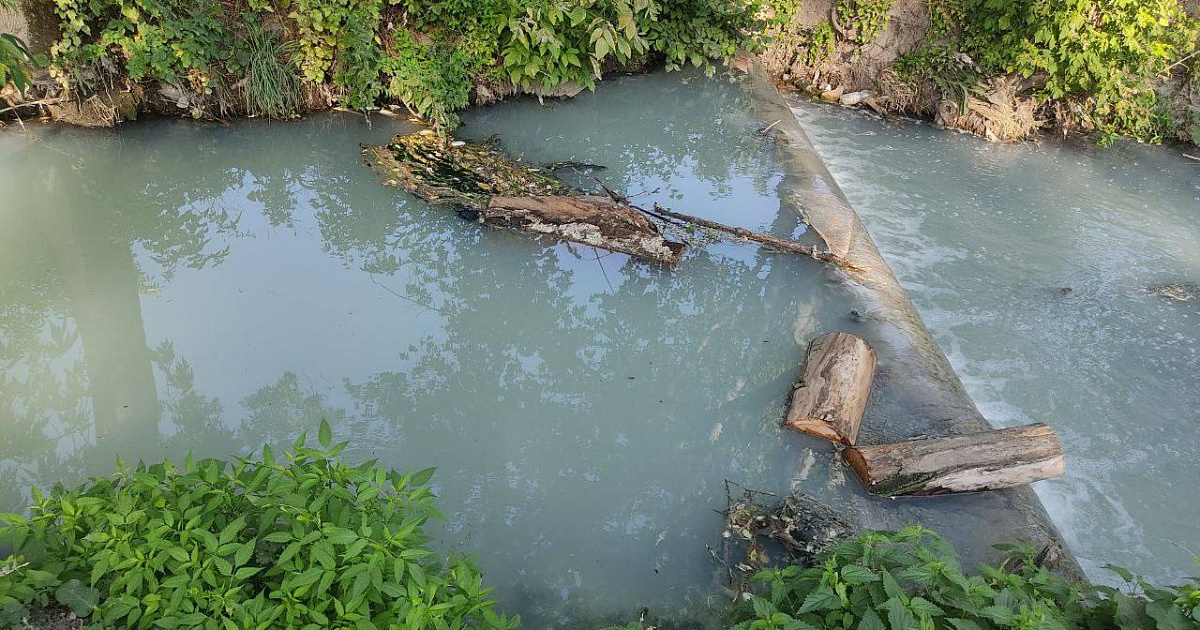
(1033, 267)
(175, 287)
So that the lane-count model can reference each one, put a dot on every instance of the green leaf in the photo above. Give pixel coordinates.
(899, 617)
(243, 553)
(77, 596)
(325, 437)
(1125, 574)
(422, 477)
(871, 621)
(821, 599)
(857, 574)
(268, 455)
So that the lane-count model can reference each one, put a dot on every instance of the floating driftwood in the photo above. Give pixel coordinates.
(499, 191)
(598, 221)
(484, 184)
(759, 237)
(831, 396)
(962, 463)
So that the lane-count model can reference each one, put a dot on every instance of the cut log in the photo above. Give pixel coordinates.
(835, 382)
(598, 221)
(962, 463)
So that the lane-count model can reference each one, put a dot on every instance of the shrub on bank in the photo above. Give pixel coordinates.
(303, 541)
(427, 54)
(1115, 67)
(307, 541)
(1111, 54)
(911, 579)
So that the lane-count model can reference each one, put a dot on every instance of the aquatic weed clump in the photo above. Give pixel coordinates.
(307, 541)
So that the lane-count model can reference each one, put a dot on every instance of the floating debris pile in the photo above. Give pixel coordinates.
(483, 184)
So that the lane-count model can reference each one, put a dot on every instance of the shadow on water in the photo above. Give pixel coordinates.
(177, 287)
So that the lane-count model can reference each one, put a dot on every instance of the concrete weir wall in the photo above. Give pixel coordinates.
(916, 392)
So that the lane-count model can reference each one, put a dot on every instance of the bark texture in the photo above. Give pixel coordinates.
(834, 385)
(962, 463)
(597, 221)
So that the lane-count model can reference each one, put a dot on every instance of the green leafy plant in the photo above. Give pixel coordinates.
(911, 580)
(427, 54)
(697, 31)
(15, 61)
(304, 541)
(434, 85)
(1109, 54)
(272, 86)
(867, 18)
(938, 64)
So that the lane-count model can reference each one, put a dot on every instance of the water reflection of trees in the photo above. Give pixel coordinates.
(527, 377)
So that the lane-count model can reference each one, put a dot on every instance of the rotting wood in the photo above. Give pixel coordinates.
(835, 383)
(499, 191)
(989, 460)
(597, 221)
(470, 177)
(759, 237)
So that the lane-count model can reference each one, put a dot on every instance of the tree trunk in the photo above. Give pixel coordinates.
(960, 463)
(598, 221)
(835, 382)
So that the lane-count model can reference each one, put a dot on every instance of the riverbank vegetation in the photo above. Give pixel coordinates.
(912, 579)
(1005, 68)
(308, 540)
(304, 540)
(278, 58)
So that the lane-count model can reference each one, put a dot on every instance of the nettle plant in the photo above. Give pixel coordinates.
(911, 580)
(304, 542)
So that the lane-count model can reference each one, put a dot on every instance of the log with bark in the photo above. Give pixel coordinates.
(597, 221)
(482, 183)
(831, 397)
(485, 185)
(962, 463)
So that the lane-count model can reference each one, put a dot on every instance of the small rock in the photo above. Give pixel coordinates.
(854, 98)
(832, 96)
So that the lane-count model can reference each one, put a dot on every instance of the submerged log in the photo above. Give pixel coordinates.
(482, 180)
(835, 382)
(759, 237)
(962, 463)
(598, 221)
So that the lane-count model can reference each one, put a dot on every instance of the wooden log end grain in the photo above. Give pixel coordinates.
(835, 383)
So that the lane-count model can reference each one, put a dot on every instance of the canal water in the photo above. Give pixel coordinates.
(1047, 273)
(172, 286)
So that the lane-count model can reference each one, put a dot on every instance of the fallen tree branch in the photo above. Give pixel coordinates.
(45, 101)
(766, 239)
